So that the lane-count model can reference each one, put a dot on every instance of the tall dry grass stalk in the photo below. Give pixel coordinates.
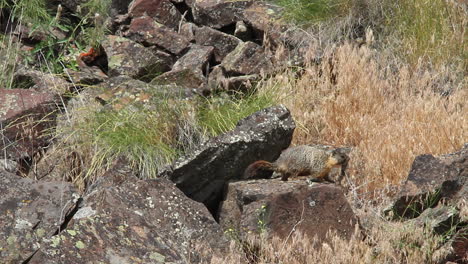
(388, 112)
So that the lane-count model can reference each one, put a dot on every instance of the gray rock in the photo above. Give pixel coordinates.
(189, 70)
(31, 212)
(440, 220)
(223, 43)
(124, 219)
(129, 58)
(430, 180)
(247, 58)
(219, 13)
(202, 175)
(40, 81)
(278, 208)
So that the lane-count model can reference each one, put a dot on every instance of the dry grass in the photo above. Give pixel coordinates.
(385, 243)
(386, 111)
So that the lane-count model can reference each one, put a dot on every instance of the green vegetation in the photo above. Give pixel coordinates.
(65, 34)
(420, 31)
(221, 114)
(306, 12)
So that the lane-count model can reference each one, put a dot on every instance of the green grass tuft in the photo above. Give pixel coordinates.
(218, 115)
(305, 12)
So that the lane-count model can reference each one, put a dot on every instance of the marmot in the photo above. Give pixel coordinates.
(301, 161)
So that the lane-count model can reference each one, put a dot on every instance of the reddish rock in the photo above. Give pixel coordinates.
(127, 220)
(223, 43)
(247, 58)
(197, 58)
(26, 120)
(162, 11)
(280, 208)
(150, 33)
(31, 212)
(219, 13)
(127, 57)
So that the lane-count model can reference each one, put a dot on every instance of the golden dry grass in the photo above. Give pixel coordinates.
(385, 243)
(388, 112)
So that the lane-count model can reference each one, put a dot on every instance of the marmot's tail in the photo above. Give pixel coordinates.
(253, 169)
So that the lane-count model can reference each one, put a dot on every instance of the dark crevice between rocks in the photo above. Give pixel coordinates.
(183, 8)
(69, 216)
(256, 34)
(24, 165)
(228, 29)
(26, 261)
(22, 82)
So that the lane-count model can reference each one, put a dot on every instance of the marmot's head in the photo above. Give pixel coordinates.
(338, 158)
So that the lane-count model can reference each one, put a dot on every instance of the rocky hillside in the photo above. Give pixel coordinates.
(126, 128)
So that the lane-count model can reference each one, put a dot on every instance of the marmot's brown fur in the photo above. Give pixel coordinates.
(301, 161)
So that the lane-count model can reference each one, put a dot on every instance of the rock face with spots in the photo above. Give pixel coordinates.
(26, 116)
(150, 33)
(202, 175)
(430, 180)
(247, 58)
(162, 11)
(281, 208)
(31, 212)
(189, 71)
(129, 58)
(223, 43)
(218, 14)
(40, 82)
(127, 220)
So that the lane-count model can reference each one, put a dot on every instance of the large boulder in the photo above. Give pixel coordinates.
(26, 120)
(203, 174)
(151, 33)
(31, 212)
(127, 57)
(430, 180)
(127, 220)
(278, 208)
(162, 11)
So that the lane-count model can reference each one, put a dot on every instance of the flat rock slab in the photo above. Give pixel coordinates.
(202, 174)
(127, 57)
(31, 211)
(127, 220)
(162, 11)
(150, 33)
(280, 208)
(430, 180)
(26, 116)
